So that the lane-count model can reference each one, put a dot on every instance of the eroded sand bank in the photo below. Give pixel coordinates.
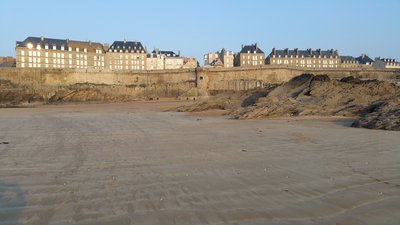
(131, 163)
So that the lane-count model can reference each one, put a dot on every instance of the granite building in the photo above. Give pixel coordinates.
(127, 55)
(250, 55)
(349, 62)
(305, 58)
(386, 63)
(41, 52)
(364, 60)
(223, 58)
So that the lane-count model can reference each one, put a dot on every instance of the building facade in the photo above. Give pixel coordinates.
(250, 55)
(386, 63)
(155, 61)
(7, 61)
(349, 62)
(365, 61)
(172, 60)
(305, 58)
(190, 63)
(223, 58)
(127, 55)
(41, 52)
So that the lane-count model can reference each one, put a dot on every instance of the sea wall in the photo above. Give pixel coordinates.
(174, 83)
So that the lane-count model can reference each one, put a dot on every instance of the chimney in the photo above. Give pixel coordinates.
(157, 51)
(125, 41)
(90, 43)
(179, 53)
(309, 51)
(256, 44)
(274, 51)
(67, 40)
(42, 38)
(287, 51)
(145, 48)
(242, 46)
(106, 46)
(296, 50)
(319, 51)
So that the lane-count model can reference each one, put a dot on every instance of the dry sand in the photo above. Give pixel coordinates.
(131, 163)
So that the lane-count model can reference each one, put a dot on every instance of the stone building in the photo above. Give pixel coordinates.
(365, 60)
(41, 52)
(349, 62)
(305, 58)
(172, 60)
(127, 55)
(190, 63)
(7, 61)
(155, 61)
(386, 63)
(223, 58)
(250, 55)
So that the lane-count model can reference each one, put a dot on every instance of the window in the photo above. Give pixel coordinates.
(54, 47)
(62, 48)
(46, 54)
(77, 49)
(22, 52)
(38, 47)
(46, 46)
(84, 50)
(70, 49)
(34, 53)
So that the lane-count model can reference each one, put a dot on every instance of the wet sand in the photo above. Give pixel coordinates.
(132, 163)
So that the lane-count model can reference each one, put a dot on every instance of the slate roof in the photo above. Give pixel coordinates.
(251, 48)
(90, 46)
(305, 53)
(42, 42)
(167, 53)
(364, 59)
(127, 46)
(347, 59)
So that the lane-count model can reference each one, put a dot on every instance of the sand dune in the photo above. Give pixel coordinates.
(131, 163)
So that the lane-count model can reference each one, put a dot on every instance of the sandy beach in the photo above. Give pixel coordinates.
(134, 163)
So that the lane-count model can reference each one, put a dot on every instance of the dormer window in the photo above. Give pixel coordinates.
(46, 46)
(77, 49)
(54, 47)
(29, 45)
(62, 48)
(84, 50)
(248, 51)
(38, 47)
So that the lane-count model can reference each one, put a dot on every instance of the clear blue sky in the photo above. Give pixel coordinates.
(196, 27)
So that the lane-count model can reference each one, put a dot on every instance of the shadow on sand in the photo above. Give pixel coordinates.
(12, 202)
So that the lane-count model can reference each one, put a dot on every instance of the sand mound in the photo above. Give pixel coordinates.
(309, 95)
(380, 115)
